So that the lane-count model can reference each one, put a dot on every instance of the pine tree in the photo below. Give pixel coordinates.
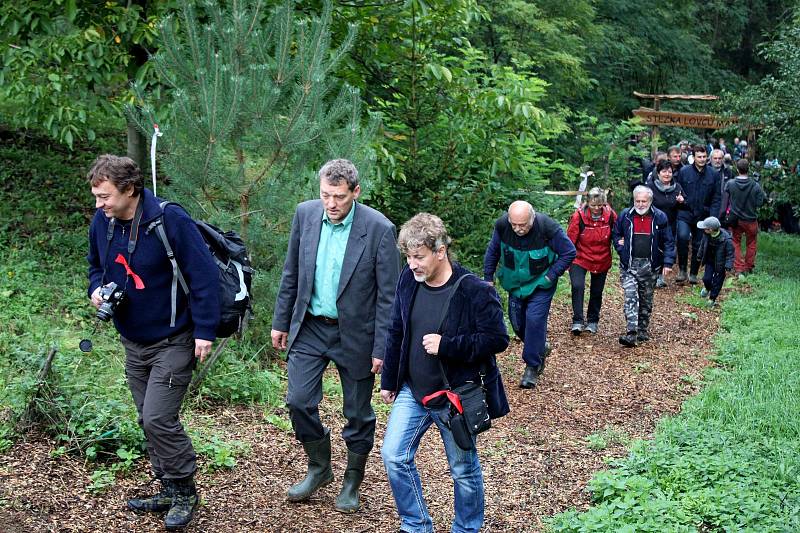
(255, 108)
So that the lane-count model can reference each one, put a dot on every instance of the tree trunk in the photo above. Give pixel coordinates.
(137, 146)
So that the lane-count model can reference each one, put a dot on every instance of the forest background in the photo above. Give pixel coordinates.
(455, 107)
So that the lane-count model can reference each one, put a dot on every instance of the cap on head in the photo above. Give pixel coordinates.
(711, 223)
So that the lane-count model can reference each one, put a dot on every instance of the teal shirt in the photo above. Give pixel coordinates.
(328, 269)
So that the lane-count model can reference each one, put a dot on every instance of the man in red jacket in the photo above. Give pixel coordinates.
(590, 231)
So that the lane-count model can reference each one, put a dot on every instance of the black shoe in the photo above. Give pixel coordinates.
(319, 470)
(577, 327)
(693, 279)
(347, 501)
(529, 377)
(629, 339)
(642, 336)
(157, 503)
(183, 505)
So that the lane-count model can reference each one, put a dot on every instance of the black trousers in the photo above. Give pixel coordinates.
(316, 345)
(158, 376)
(577, 277)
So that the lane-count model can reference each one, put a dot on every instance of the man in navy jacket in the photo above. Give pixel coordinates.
(643, 240)
(703, 192)
(161, 342)
(437, 338)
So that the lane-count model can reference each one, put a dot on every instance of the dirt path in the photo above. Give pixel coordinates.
(536, 460)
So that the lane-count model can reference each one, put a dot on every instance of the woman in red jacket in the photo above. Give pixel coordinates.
(590, 231)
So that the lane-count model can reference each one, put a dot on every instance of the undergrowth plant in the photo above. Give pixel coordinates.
(731, 460)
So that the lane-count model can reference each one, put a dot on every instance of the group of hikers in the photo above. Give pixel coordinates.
(428, 330)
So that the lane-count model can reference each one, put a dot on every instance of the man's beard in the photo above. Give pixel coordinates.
(641, 211)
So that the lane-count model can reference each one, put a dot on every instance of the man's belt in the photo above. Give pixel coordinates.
(324, 319)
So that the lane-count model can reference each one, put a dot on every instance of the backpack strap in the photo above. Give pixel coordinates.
(177, 276)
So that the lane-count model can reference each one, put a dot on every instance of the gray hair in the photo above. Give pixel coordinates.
(337, 170)
(717, 150)
(423, 229)
(597, 194)
(642, 189)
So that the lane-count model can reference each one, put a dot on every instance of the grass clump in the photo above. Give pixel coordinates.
(731, 460)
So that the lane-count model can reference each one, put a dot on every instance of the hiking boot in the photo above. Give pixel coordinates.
(712, 303)
(681, 277)
(183, 506)
(319, 470)
(591, 327)
(629, 339)
(157, 503)
(642, 336)
(347, 501)
(693, 279)
(703, 292)
(577, 327)
(660, 283)
(529, 377)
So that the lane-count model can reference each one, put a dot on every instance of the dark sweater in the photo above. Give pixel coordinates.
(745, 196)
(145, 316)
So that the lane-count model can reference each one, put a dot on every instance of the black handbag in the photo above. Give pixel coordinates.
(730, 219)
(469, 411)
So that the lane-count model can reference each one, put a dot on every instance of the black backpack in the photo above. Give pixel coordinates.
(235, 273)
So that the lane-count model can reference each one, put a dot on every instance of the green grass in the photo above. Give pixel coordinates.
(731, 460)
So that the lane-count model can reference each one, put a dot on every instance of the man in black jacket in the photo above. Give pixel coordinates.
(702, 189)
(438, 336)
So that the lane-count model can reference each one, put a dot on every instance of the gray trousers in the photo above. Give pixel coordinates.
(638, 283)
(315, 346)
(158, 376)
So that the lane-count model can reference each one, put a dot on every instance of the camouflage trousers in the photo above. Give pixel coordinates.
(638, 282)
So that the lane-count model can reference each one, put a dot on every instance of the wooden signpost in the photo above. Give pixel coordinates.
(656, 118)
(651, 117)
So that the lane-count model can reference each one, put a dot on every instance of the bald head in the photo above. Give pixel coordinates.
(520, 216)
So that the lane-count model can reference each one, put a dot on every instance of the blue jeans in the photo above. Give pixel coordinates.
(408, 422)
(528, 317)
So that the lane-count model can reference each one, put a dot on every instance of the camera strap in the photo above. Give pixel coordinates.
(132, 239)
(451, 396)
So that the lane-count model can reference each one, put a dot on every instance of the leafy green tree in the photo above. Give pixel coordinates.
(254, 105)
(67, 64)
(773, 106)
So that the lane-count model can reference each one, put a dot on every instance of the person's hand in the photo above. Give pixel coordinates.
(388, 396)
(431, 343)
(621, 242)
(96, 300)
(679, 198)
(490, 283)
(279, 339)
(202, 348)
(666, 270)
(377, 365)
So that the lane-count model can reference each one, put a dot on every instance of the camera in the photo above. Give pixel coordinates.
(112, 296)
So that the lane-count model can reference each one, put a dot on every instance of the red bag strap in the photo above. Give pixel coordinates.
(454, 398)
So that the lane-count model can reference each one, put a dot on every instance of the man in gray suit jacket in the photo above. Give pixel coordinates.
(334, 304)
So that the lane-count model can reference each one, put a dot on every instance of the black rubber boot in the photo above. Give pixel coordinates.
(529, 377)
(319, 470)
(629, 339)
(347, 501)
(157, 503)
(183, 505)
